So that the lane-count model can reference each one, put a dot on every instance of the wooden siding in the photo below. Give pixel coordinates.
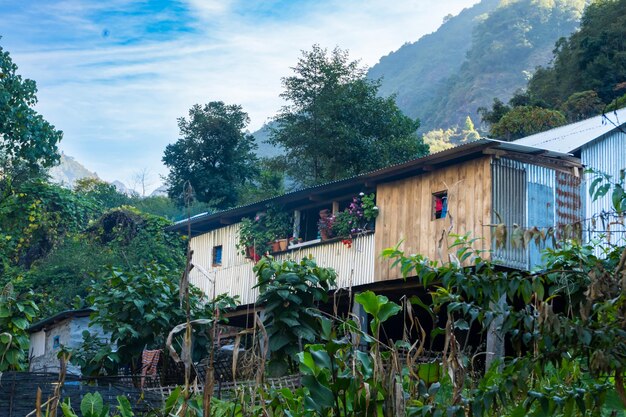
(354, 266)
(406, 212)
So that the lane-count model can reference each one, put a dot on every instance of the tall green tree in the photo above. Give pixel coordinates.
(524, 121)
(214, 154)
(335, 124)
(27, 141)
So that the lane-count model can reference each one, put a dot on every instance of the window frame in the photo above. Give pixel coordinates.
(214, 252)
(443, 213)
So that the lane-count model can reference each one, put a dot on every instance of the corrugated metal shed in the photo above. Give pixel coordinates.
(571, 137)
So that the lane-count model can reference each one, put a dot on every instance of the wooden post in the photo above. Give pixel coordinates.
(359, 312)
(296, 223)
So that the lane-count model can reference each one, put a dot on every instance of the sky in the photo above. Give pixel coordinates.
(116, 75)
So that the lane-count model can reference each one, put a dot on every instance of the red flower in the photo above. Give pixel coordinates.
(347, 243)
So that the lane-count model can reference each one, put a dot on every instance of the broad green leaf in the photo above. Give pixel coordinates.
(369, 301)
(321, 396)
(429, 372)
(387, 310)
(91, 405)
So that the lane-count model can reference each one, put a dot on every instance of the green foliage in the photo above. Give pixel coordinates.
(616, 104)
(524, 121)
(591, 59)
(92, 405)
(379, 307)
(567, 337)
(336, 125)
(105, 195)
(29, 143)
(269, 183)
(122, 238)
(357, 218)
(214, 155)
(17, 311)
(603, 183)
(95, 356)
(582, 105)
(138, 307)
(289, 290)
(259, 232)
(34, 217)
(507, 44)
(417, 70)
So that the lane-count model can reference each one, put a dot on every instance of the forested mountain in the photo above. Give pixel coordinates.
(486, 51)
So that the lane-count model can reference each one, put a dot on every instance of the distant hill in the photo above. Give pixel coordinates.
(265, 150)
(487, 51)
(68, 171)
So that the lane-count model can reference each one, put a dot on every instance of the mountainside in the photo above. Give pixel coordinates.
(486, 51)
(68, 171)
(414, 71)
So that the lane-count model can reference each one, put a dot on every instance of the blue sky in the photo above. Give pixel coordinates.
(115, 75)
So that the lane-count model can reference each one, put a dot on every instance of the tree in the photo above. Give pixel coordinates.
(142, 180)
(582, 105)
(138, 307)
(269, 183)
(524, 121)
(27, 141)
(105, 195)
(214, 155)
(336, 125)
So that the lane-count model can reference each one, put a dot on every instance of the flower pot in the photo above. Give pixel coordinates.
(324, 235)
(283, 243)
(275, 246)
(251, 253)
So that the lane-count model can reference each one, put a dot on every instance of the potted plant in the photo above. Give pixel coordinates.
(357, 218)
(279, 225)
(252, 238)
(264, 233)
(325, 224)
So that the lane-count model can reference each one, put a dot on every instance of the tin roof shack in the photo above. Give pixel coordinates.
(420, 203)
(600, 143)
(47, 337)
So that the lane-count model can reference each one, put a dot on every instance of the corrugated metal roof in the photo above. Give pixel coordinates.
(569, 138)
(384, 174)
(59, 317)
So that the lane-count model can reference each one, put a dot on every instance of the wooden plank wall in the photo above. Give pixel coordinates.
(406, 212)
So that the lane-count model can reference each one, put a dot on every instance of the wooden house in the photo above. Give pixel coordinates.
(421, 203)
(600, 144)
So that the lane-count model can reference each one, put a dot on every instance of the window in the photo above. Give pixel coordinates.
(217, 256)
(308, 222)
(440, 205)
(56, 342)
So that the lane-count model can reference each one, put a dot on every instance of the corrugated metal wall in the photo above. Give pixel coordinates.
(509, 207)
(607, 154)
(354, 266)
(528, 196)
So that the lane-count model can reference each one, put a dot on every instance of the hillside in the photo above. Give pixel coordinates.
(445, 76)
(68, 171)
